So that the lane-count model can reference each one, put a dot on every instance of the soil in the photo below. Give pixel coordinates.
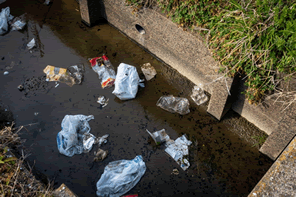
(222, 157)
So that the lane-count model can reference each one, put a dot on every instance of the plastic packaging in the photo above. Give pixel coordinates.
(178, 149)
(103, 101)
(127, 82)
(106, 74)
(18, 23)
(5, 18)
(76, 71)
(100, 155)
(31, 44)
(59, 74)
(160, 136)
(174, 104)
(102, 140)
(120, 176)
(198, 95)
(148, 71)
(74, 138)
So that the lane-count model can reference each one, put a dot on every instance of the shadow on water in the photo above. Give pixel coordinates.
(223, 161)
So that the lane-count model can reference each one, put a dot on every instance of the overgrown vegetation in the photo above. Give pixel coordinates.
(15, 180)
(259, 140)
(253, 38)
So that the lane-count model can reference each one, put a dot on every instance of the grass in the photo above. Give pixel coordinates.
(15, 180)
(259, 140)
(253, 38)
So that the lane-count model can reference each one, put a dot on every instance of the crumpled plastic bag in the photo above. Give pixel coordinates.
(127, 82)
(18, 23)
(74, 138)
(174, 104)
(5, 18)
(198, 95)
(120, 176)
(76, 71)
(178, 149)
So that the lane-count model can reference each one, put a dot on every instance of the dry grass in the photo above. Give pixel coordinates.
(15, 179)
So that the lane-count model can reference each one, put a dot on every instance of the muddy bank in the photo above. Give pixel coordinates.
(223, 161)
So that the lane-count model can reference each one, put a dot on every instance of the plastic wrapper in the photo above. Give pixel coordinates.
(105, 73)
(5, 18)
(178, 149)
(102, 140)
(198, 95)
(76, 71)
(103, 101)
(18, 23)
(74, 138)
(64, 75)
(127, 82)
(120, 176)
(174, 104)
(31, 44)
(100, 155)
(160, 136)
(148, 71)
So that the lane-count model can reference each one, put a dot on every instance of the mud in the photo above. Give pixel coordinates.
(223, 161)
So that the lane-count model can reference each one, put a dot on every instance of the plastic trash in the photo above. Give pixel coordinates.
(178, 149)
(103, 101)
(160, 136)
(102, 140)
(74, 138)
(174, 104)
(5, 18)
(127, 82)
(76, 71)
(59, 74)
(100, 155)
(18, 23)
(120, 176)
(6, 73)
(31, 44)
(47, 2)
(148, 71)
(106, 74)
(198, 95)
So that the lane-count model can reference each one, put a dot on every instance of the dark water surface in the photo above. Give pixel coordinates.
(223, 161)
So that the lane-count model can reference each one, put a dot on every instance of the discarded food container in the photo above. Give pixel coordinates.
(18, 23)
(100, 155)
(106, 74)
(74, 138)
(198, 95)
(58, 74)
(31, 44)
(120, 176)
(103, 101)
(102, 140)
(178, 149)
(127, 82)
(76, 71)
(5, 18)
(148, 70)
(159, 136)
(174, 104)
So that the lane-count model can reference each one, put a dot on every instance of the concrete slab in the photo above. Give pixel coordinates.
(280, 178)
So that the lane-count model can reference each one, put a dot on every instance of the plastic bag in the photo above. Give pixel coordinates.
(76, 71)
(174, 104)
(75, 137)
(120, 176)
(31, 44)
(127, 82)
(59, 74)
(178, 149)
(198, 95)
(5, 17)
(148, 70)
(18, 23)
(105, 73)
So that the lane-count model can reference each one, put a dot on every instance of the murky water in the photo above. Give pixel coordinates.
(223, 161)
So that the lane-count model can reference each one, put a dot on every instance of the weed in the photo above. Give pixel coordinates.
(259, 140)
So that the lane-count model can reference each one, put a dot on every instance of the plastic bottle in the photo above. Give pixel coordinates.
(107, 61)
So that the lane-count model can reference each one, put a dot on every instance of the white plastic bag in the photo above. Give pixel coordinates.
(198, 95)
(120, 176)
(5, 17)
(75, 137)
(18, 23)
(174, 104)
(127, 82)
(178, 149)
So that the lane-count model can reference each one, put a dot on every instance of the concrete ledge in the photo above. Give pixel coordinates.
(280, 178)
